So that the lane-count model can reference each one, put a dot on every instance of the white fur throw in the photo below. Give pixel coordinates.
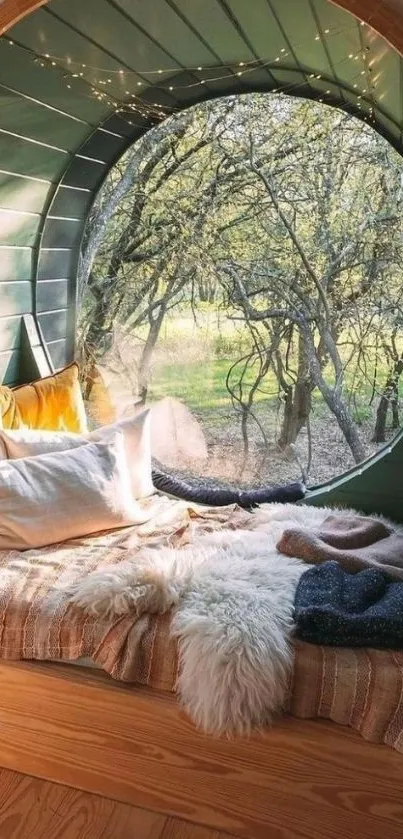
(234, 598)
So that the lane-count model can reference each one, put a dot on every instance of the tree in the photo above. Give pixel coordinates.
(283, 217)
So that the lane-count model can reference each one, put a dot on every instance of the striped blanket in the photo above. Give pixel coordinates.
(362, 688)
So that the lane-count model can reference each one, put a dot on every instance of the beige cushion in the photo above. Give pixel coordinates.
(58, 496)
(26, 442)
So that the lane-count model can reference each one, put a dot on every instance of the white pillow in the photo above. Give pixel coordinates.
(26, 442)
(58, 496)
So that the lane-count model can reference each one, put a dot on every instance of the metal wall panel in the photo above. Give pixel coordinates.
(10, 333)
(10, 363)
(53, 324)
(18, 228)
(69, 202)
(51, 294)
(15, 264)
(16, 298)
(59, 353)
(20, 193)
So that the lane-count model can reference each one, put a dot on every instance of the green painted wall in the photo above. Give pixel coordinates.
(57, 142)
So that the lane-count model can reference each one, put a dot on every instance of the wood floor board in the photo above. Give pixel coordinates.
(34, 809)
(175, 829)
(299, 780)
(128, 822)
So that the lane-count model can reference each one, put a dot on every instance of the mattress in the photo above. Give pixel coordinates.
(362, 688)
(39, 622)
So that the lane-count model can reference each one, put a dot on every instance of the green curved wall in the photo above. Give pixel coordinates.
(58, 141)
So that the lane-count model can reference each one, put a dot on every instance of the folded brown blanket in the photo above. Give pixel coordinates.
(355, 542)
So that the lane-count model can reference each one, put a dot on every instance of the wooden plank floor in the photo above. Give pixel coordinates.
(35, 809)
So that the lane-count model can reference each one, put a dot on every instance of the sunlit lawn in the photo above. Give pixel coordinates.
(201, 384)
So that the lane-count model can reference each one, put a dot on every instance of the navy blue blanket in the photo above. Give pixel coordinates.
(349, 610)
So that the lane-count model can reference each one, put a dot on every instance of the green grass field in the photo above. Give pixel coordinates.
(204, 356)
(201, 386)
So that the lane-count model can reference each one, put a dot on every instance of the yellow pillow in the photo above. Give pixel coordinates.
(54, 403)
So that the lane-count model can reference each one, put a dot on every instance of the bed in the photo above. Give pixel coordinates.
(126, 736)
(303, 779)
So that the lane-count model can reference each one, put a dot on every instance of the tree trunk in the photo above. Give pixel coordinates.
(207, 291)
(144, 368)
(395, 408)
(389, 397)
(297, 407)
(380, 422)
(99, 336)
(333, 398)
(298, 401)
(345, 423)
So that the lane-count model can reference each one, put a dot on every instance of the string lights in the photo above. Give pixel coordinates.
(129, 106)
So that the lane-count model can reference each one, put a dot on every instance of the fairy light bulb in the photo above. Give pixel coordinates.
(245, 67)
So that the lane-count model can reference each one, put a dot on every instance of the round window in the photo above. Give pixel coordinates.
(248, 289)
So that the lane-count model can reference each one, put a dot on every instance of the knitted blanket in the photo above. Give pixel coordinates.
(355, 542)
(340, 609)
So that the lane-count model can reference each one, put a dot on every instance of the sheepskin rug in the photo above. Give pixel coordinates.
(233, 595)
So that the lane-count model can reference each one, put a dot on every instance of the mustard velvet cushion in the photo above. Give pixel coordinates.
(54, 403)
